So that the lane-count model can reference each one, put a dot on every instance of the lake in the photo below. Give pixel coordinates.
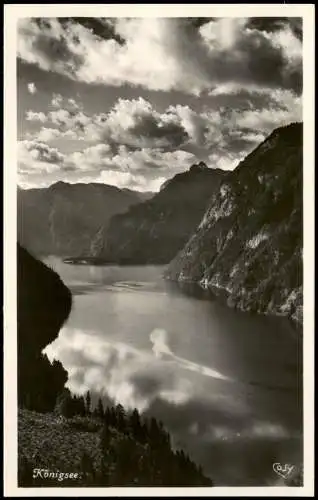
(227, 385)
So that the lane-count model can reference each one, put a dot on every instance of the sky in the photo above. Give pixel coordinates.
(132, 102)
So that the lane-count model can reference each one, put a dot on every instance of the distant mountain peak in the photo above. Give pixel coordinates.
(59, 185)
(198, 166)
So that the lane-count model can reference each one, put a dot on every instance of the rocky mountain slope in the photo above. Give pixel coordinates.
(63, 219)
(248, 246)
(155, 230)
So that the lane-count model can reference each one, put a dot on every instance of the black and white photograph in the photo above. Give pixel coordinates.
(159, 199)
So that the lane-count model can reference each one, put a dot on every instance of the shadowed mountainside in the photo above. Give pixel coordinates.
(64, 219)
(153, 232)
(44, 304)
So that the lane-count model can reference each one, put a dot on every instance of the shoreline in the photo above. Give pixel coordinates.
(212, 292)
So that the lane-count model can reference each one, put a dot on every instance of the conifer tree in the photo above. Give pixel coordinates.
(64, 404)
(120, 414)
(88, 402)
(81, 406)
(100, 408)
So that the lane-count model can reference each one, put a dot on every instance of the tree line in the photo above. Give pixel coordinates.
(133, 450)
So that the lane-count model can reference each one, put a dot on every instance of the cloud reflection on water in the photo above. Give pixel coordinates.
(159, 338)
(132, 377)
(217, 427)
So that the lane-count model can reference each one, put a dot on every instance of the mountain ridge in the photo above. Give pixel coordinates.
(154, 230)
(64, 218)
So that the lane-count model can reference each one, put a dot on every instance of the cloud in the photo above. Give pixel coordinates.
(167, 53)
(68, 119)
(138, 146)
(244, 55)
(138, 126)
(131, 181)
(143, 170)
(238, 131)
(153, 160)
(136, 123)
(35, 116)
(38, 157)
(272, 25)
(97, 157)
(32, 88)
(129, 149)
(45, 135)
(57, 100)
(140, 168)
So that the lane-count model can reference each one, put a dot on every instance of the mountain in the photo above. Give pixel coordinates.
(155, 230)
(248, 246)
(63, 219)
(43, 305)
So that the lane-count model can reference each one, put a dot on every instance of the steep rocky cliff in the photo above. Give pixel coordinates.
(155, 230)
(63, 219)
(43, 305)
(248, 246)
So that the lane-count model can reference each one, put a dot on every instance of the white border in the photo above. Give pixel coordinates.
(11, 14)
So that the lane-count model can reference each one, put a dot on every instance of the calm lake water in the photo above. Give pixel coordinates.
(225, 384)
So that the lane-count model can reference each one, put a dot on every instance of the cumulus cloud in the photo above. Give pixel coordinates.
(152, 160)
(100, 157)
(34, 156)
(251, 56)
(67, 119)
(134, 123)
(32, 88)
(167, 53)
(45, 134)
(136, 182)
(135, 146)
(35, 116)
(284, 109)
(137, 125)
(96, 157)
(57, 100)
(248, 70)
(48, 134)
(143, 170)
(236, 132)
